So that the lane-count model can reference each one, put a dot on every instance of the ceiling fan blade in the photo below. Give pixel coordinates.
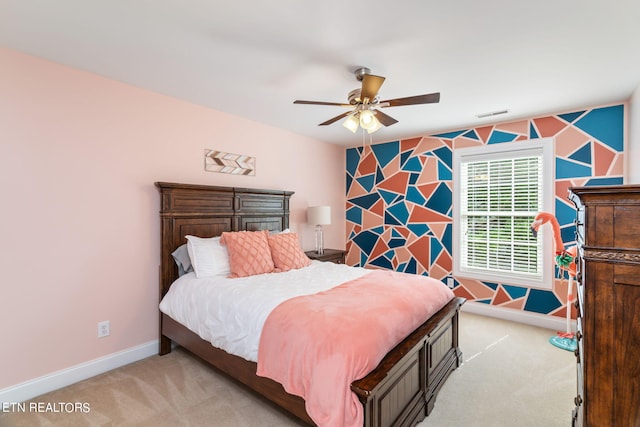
(412, 100)
(370, 86)
(385, 119)
(336, 104)
(335, 119)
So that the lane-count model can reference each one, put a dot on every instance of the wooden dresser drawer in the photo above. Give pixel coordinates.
(627, 227)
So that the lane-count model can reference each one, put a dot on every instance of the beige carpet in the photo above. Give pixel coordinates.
(511, 376)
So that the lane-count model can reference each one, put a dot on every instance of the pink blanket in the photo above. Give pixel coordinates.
(317, 345)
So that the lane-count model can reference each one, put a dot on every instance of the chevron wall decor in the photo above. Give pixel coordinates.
(236, 164)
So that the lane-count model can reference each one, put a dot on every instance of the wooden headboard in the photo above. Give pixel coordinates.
(207, 211)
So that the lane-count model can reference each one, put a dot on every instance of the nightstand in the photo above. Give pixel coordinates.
(330, 255)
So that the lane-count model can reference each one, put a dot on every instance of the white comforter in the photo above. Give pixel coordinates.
(230, 313)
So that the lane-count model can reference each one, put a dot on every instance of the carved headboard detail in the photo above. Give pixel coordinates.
(207, 211)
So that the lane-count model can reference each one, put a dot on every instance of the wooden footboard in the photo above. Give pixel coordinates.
(401, 391)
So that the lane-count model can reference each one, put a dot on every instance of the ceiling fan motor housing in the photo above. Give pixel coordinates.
(354, 97)
(360, 73)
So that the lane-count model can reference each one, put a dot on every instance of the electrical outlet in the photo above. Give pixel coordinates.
(104, 329)
(450, 282)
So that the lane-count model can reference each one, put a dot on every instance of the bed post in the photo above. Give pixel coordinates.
(167, 269)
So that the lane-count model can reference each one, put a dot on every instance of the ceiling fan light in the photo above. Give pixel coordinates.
(351, 123)
(367, 119)
(376, 125)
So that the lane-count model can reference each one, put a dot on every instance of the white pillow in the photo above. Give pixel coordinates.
(286, 230)
(208, 257)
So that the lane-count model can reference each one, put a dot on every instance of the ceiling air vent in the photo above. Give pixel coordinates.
(493, 113)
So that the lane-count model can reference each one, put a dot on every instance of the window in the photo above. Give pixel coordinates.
(498, 190)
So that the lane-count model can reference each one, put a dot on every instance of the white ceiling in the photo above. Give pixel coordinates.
(253, 59)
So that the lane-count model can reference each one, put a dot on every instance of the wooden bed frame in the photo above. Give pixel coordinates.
(401, 391)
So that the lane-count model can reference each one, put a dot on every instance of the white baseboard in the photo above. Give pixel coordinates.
(541, 320)
(55, 380)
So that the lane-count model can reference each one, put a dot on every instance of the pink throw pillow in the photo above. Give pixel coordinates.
(249, 252)
(286, 252)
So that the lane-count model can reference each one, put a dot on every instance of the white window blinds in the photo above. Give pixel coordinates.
(500, 192)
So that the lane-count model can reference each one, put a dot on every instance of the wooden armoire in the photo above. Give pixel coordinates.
(608, 306)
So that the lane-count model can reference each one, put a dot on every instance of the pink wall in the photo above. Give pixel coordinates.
(80, 231)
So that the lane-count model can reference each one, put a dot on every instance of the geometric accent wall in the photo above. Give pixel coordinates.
(399, 197)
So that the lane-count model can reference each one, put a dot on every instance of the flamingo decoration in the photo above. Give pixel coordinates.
(566, 261)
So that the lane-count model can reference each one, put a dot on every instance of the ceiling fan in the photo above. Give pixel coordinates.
(365, 104)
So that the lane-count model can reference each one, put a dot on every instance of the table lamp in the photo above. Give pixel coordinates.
(319, 216)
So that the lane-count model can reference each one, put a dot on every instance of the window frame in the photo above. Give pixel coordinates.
(545, 147)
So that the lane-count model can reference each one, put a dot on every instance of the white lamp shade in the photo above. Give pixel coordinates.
(319, 215)
(366, 119)
(374, 126)
(351, 123)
